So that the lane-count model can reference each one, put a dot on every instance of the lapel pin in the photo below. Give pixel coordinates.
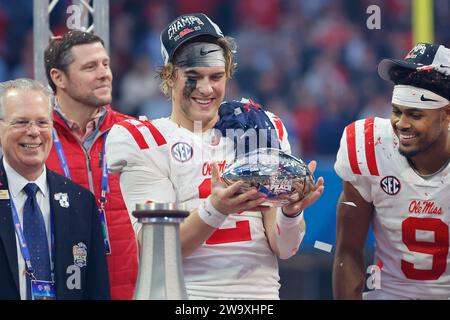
(63, 199)
(4, 194)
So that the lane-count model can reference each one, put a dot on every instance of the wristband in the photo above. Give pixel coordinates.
(295, 216)
(210, 215)
(285, 220)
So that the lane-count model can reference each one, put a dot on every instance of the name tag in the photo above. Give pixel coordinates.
(43, 290)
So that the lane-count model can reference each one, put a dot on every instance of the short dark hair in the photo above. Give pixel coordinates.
(432, 80)
(58, 55)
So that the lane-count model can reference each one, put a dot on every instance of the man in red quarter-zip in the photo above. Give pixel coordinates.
(78, 70)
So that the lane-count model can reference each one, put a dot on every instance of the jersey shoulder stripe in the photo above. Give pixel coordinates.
(157, 135)
(351, 148)
(370, 146)
(361, 146)
(135, 133)
(134, 128)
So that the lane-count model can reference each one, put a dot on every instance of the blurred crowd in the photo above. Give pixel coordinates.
(313, 63)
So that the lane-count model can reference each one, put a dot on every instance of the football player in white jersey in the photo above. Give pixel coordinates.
(396, 176)
(229, 242)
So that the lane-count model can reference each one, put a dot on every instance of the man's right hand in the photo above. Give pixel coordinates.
(228, 199)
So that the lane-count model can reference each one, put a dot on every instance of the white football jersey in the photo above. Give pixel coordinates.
(412, 214)
(162, 162)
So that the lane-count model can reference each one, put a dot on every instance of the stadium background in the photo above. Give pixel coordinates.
(313, 63)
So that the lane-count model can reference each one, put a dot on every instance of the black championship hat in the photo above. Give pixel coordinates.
(424, 56)
(184, 28)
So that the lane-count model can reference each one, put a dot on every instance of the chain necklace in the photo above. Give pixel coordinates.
(428, 176)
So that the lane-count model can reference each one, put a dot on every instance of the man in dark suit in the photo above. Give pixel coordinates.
(51, 244)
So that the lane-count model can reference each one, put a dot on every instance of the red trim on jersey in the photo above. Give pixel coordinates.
(159, 138)
(204, 189)
(238, 234)
(351, 148)
(137, 135)
(279, 126)
(370, 147)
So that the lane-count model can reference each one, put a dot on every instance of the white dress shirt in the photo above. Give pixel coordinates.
(16, 183)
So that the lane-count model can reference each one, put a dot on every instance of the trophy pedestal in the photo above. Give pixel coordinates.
(160, 267)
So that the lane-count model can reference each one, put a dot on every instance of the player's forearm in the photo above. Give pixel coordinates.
(289, 233)
(348, 276)
(193, 233)
(285, 234)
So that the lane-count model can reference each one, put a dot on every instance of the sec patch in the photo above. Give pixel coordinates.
(390, 185)
(182, 151)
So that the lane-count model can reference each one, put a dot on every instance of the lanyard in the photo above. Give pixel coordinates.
(102, 199)
(104, 184)
(23, 244)
(61, 155)
(104, 173)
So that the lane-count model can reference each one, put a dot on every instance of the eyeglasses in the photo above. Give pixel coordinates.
(24, 124)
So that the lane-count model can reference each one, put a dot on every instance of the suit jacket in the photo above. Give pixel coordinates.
(80, 261)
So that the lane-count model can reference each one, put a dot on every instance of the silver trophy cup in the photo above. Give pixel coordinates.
(282, 177)
(160, 267)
